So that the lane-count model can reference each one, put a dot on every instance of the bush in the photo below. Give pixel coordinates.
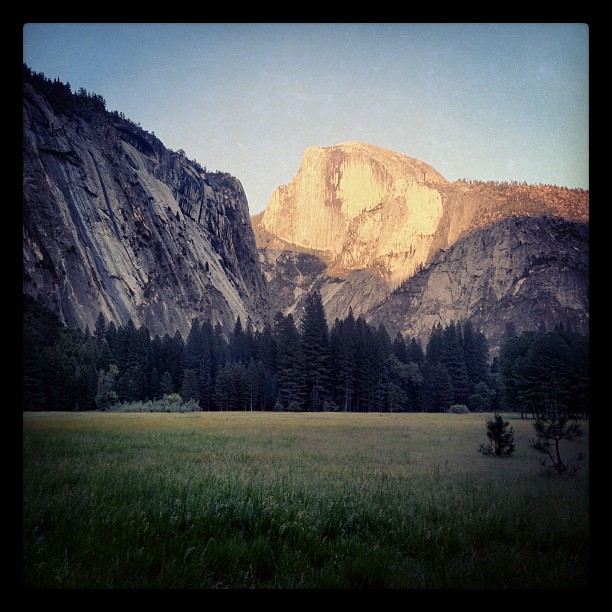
(294, 407)
(330, 407)
(170, 403)
(459, 409)
(172, 397)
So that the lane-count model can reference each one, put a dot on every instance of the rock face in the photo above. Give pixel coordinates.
(380, 221)
(114, 222)
(365, 206)
(532, 272)
(292, 275)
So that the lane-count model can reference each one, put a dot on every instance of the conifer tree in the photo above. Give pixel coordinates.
(290, 370)
(342, 351)
(435, 345)
(476, 353)
(501, 437)
(551, 429)
(365, 371)
(166, 384)
(230, 387)
(253, 384)
(190, 386)
(453, 359)
(106, 394)
(100, 328)
(414, 353)
(438, 394)
(399, 348)
(314, 336)
(193, 346)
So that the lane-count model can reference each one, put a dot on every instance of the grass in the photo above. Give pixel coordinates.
(283, 500)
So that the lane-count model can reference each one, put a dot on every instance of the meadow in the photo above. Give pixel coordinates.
(242, 500)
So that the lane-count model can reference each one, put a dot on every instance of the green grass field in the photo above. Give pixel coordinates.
(295, 500)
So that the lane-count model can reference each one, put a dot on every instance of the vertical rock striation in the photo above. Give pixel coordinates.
(114, 222)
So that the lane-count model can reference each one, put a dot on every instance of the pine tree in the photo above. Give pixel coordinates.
(342, 351)
(205, 382)
(230, 387)
(551, 429)
(512, 357)
(193, 346)
(100, 328)
(435, 345)
(365, 370)
(547, 374)
(399, 348)
(106, 394)
(190, 386)
(166, 384)
(414, 353)
(501, 437)
(476, 354)
(290, 371)
(438, 393)
(132, 384)
(414, 387)
(241, 342)
(314, 336)
(253, 383)
(453, 359)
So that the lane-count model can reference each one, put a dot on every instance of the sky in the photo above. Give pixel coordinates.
(477, 101)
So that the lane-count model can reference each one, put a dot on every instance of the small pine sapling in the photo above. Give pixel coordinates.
(501, 438)
(550, 430)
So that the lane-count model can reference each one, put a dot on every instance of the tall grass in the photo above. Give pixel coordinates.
(280, 500)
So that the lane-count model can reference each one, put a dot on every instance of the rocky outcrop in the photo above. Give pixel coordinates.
(114, 222)
(361, 205)
(292, 275)
(376, 219)
(365, 207)
(532, 272)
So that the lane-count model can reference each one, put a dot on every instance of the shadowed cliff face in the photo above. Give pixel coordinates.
(113, 222)
(375, 218)
(532, 272)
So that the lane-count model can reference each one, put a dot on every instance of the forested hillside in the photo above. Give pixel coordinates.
(299, 366)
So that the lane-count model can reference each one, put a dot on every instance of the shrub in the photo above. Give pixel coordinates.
(170, 403)
(459, 409)
(173, 397)
(330, 407)
(294, 407)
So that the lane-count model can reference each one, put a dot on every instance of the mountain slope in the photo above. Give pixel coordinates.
(532, 272)
(114, 222)
(384, 216)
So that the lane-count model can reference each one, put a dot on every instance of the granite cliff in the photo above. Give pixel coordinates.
(380, 223)
(530, 271)
(115, 222)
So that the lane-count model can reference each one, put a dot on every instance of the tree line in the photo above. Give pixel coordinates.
(61, 96)
(298, 366)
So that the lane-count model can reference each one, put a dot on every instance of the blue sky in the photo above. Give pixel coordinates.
(478, 101)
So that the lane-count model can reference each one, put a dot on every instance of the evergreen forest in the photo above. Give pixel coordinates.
(301, 366)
